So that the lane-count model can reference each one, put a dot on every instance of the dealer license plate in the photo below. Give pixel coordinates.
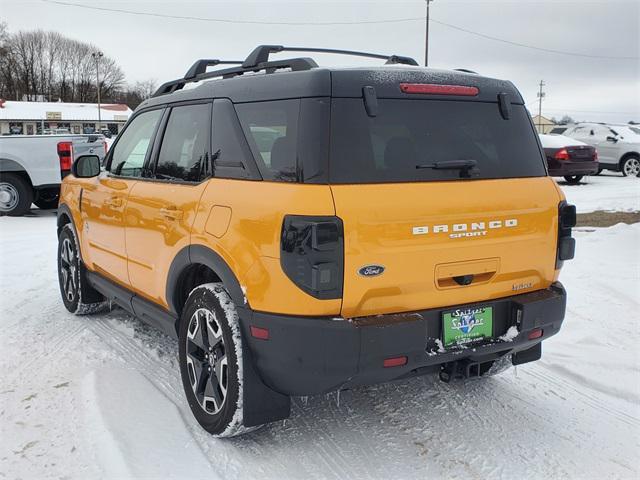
(466, 325)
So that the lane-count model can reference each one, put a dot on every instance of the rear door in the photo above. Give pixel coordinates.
(162, 207)
(443, 237)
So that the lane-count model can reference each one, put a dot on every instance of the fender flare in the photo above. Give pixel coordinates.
(199, 254)
(64, 210)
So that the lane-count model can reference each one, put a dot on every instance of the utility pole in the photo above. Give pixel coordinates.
(541, 95)
(426, 37)
(97, 56)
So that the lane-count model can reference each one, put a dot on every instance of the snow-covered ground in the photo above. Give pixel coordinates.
(608, 191)
(101, 396)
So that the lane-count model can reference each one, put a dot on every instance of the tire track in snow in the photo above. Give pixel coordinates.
(593, 400)
(60, 341)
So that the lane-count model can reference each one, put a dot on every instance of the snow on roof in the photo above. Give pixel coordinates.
(60, 111)
(559, 141)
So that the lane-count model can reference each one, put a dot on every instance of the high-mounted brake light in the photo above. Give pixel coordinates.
(434, 89)
(65, 155)
(562, 154)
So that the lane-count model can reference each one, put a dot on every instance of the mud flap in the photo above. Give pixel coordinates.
(261, 404)
(530, 355)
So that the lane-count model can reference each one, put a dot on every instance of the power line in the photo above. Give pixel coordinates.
(224, 20)
(359, 22)
(517, 44)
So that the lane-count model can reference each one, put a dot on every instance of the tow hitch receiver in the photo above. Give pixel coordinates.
(464, 369)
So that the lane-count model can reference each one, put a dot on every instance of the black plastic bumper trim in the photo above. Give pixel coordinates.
(311, 355)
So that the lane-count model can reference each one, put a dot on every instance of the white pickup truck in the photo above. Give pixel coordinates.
(32, 167)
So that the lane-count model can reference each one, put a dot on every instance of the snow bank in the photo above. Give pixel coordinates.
(608, 191)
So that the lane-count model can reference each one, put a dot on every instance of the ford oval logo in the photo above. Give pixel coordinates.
(371, 270)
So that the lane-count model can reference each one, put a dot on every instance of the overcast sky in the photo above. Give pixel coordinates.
(599, 89)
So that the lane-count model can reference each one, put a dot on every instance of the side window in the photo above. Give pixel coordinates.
(271, 129)
(133, 145)
(229, 148)
(185, 144)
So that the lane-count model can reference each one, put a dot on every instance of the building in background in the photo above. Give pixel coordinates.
(543, 124)
(35, 118)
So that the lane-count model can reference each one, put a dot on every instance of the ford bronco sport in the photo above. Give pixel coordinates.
(303, 230)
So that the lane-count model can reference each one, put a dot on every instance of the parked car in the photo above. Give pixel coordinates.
(569, 158)
(307, 230)
(618, 145)
(32, 167)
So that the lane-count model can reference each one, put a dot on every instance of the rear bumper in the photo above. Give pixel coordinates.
(307, 355)
(560, 169)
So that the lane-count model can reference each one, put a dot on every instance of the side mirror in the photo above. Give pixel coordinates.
(612, 139)
(86, 166)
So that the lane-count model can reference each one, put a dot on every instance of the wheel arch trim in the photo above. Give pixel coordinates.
(199, 254)
(626, 155)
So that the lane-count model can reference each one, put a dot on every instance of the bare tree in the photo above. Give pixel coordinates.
(38, 63)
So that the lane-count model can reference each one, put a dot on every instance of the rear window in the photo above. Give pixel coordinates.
(407, 134)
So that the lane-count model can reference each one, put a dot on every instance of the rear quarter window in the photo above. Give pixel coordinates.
(271, 128)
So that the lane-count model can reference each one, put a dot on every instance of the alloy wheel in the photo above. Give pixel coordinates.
(68, 269)
(9, 197)
(631, 167)
(207, 361)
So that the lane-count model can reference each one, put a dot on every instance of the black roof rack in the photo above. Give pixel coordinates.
(464, 70)
(200, 67)
(258, 60)
(261, 54)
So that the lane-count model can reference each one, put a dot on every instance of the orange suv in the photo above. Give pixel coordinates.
(302, 230)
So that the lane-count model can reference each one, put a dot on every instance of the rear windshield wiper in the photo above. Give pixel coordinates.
(468, 168)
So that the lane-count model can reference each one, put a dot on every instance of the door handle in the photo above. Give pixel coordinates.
(114, 202)
(172, 213)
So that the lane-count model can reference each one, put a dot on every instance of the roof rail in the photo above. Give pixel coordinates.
(258, 60)
(464, 70)
(261, 54)
(200, 67)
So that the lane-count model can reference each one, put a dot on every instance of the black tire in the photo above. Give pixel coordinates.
(78, 295)
(211, 360)
(16, 195)
(630, 166)
(47, 199)
(573, 179)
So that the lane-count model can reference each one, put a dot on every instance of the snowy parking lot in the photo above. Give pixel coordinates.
(101, 397)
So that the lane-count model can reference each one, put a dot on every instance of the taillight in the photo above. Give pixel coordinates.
(106, 147)
(312, 254)
(434, 89)
(566, 244)
(65, 155)
(595, 155)
(562, 154)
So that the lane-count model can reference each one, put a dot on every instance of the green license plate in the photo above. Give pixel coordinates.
(465, 325)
